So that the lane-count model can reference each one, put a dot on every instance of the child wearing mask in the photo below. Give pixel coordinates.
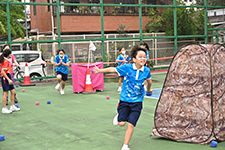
(61, 66)
(121, 60)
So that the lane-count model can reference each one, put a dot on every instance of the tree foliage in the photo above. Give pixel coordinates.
(189, 21)
(211, 2)
(16, 13)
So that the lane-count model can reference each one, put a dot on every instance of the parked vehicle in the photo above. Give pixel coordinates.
(35, 61)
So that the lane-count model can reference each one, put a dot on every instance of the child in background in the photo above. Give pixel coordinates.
(61, 66)
(7, 84)
(12, 60)
(121, 60)
(145, 45)
(132, 94)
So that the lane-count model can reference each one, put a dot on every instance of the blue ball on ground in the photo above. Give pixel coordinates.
(48, 102)
(2, 137)
(213, 144)
(17, 85)
(17, 105)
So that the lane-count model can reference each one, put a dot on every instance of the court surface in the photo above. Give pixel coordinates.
(80, 122)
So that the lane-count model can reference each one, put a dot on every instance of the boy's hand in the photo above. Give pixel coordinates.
(96, 69)
(149, 93)
(10, 82)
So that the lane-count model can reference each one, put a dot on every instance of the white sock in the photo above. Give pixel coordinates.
(125, 146)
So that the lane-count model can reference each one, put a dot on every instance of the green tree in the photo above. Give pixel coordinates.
(211, 2)
(189, 21)
(16, 13)
(155, 24)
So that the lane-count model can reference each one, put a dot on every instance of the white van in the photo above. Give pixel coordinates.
(35, 61)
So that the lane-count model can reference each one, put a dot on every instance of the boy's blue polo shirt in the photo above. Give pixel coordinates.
(61, 67)
(133, 84)
(120, 57)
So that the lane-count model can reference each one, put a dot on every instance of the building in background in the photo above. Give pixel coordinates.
(216, 17)
(86, 19)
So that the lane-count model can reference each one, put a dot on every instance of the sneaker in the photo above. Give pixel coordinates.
(62, 92)
(6, 111)
(115, 120)
(119, 89)
(125, 148)
(58, 85)
(14, 108)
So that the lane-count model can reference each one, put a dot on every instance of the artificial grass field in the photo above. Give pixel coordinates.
(80, 122)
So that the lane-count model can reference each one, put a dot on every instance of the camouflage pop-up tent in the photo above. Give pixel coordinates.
(191, 107)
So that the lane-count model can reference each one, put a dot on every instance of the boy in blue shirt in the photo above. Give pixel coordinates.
(121, 60)
(132, 94)
(61, 66)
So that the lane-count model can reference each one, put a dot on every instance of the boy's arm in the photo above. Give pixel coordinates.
(16, 63)
(4, 74)
(57, 64)
(66, 64)
(119, 60)
(110, 69)
(149, 85)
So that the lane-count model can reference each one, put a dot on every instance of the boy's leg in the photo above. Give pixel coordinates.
(5, 109)
(59, 79)
(120, 80)
(63, 84)
(12, 96)
(64, 79)
(13, 107)
(4, 98)
(128, 134)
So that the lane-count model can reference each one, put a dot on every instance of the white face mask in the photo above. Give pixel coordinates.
(61, 56)
(123, 52)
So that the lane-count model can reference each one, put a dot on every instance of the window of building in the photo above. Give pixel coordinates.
(214, 13)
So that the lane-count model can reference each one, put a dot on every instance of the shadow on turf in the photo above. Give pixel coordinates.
(158, 138)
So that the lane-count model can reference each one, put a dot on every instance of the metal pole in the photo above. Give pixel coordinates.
(175, 25)
(58, 24)
(206, 27)
(102, 31)
(217, 36)
(8, 24)
(140, 20)
(53, 33)
(27, 45)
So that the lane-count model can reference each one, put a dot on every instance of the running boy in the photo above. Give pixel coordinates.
(7, 84)
(62, 64)
(121, 60)
(132, 94)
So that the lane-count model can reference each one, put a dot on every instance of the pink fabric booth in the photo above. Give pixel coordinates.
(79, 77)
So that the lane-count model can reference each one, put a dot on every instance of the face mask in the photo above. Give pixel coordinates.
(123, 52)
(61, 56)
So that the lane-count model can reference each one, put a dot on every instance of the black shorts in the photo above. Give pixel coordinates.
(5, 83)
(129, 112)
(64, 76)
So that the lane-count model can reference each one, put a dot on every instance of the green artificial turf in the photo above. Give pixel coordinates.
(80, 122)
